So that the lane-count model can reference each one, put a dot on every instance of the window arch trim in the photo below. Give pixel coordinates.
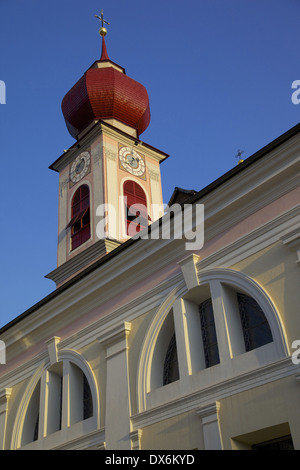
(148, 347)
(252, 288)
(64, 355)
(237, 280)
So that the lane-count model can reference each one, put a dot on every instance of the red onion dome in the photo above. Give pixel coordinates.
(106, 92)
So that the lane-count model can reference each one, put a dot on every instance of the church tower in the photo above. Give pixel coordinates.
(109, 180)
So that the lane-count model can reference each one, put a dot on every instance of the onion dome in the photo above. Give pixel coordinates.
(106, 93)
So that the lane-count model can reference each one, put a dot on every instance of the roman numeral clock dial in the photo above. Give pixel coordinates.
(80, 167)
(132, 161)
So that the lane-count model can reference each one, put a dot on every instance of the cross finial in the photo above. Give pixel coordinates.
(102, 30)
(239, 154)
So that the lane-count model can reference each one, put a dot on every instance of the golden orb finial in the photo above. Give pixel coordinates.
(102, 30)
(238, 155)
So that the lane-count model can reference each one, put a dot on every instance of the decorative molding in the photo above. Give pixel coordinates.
(115, 339)
(129, 312)
(209, 411)
(135, 437)
(23, 405)
(115, 334)
(201, 398)
(189, 270)
(82, 260)
(52, 349)
(89, 441)
(209, 415)
(4, 398)
(254, 241)
(88, 334)
(292, 240)
(147, 349)
(101, 446)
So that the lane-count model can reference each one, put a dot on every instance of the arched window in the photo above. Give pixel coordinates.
(64, 395)
(80, 217)
(136, 214)
(224, 324)
(254, 325)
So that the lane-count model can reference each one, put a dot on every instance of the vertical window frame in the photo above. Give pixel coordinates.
(80, 217)
(134, 194)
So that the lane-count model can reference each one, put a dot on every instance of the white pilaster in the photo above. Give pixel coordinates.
(211, 426)
(189, 270)
(188, 337)
(4, 398)
(117, 416)
(136, 439)
(225, 352)
(292, 240)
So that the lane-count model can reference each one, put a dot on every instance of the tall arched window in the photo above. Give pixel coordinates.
(80, 217)
(224, 325)
(135, 207)
(64, 394)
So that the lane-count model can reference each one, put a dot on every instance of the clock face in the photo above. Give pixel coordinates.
(131, 161)
(80, 167)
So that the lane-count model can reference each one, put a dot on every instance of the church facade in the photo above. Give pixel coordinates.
(151, 341)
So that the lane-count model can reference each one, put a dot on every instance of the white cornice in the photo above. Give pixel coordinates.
(206, 396)
(83, 259)
(92, 440)
(254, 241)
(252, 189)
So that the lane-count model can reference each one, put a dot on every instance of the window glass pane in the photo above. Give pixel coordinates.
(30, 426)
(171, 370)
(87, 399)
(209, 336)
(255, 326)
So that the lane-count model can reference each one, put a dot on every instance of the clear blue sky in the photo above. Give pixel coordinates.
(218, 73)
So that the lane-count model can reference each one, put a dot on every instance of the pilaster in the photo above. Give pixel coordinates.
(4, 398)
(117, 417)
(209, 415)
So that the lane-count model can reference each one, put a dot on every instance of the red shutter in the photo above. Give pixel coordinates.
(135, 195)
(80, 217)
